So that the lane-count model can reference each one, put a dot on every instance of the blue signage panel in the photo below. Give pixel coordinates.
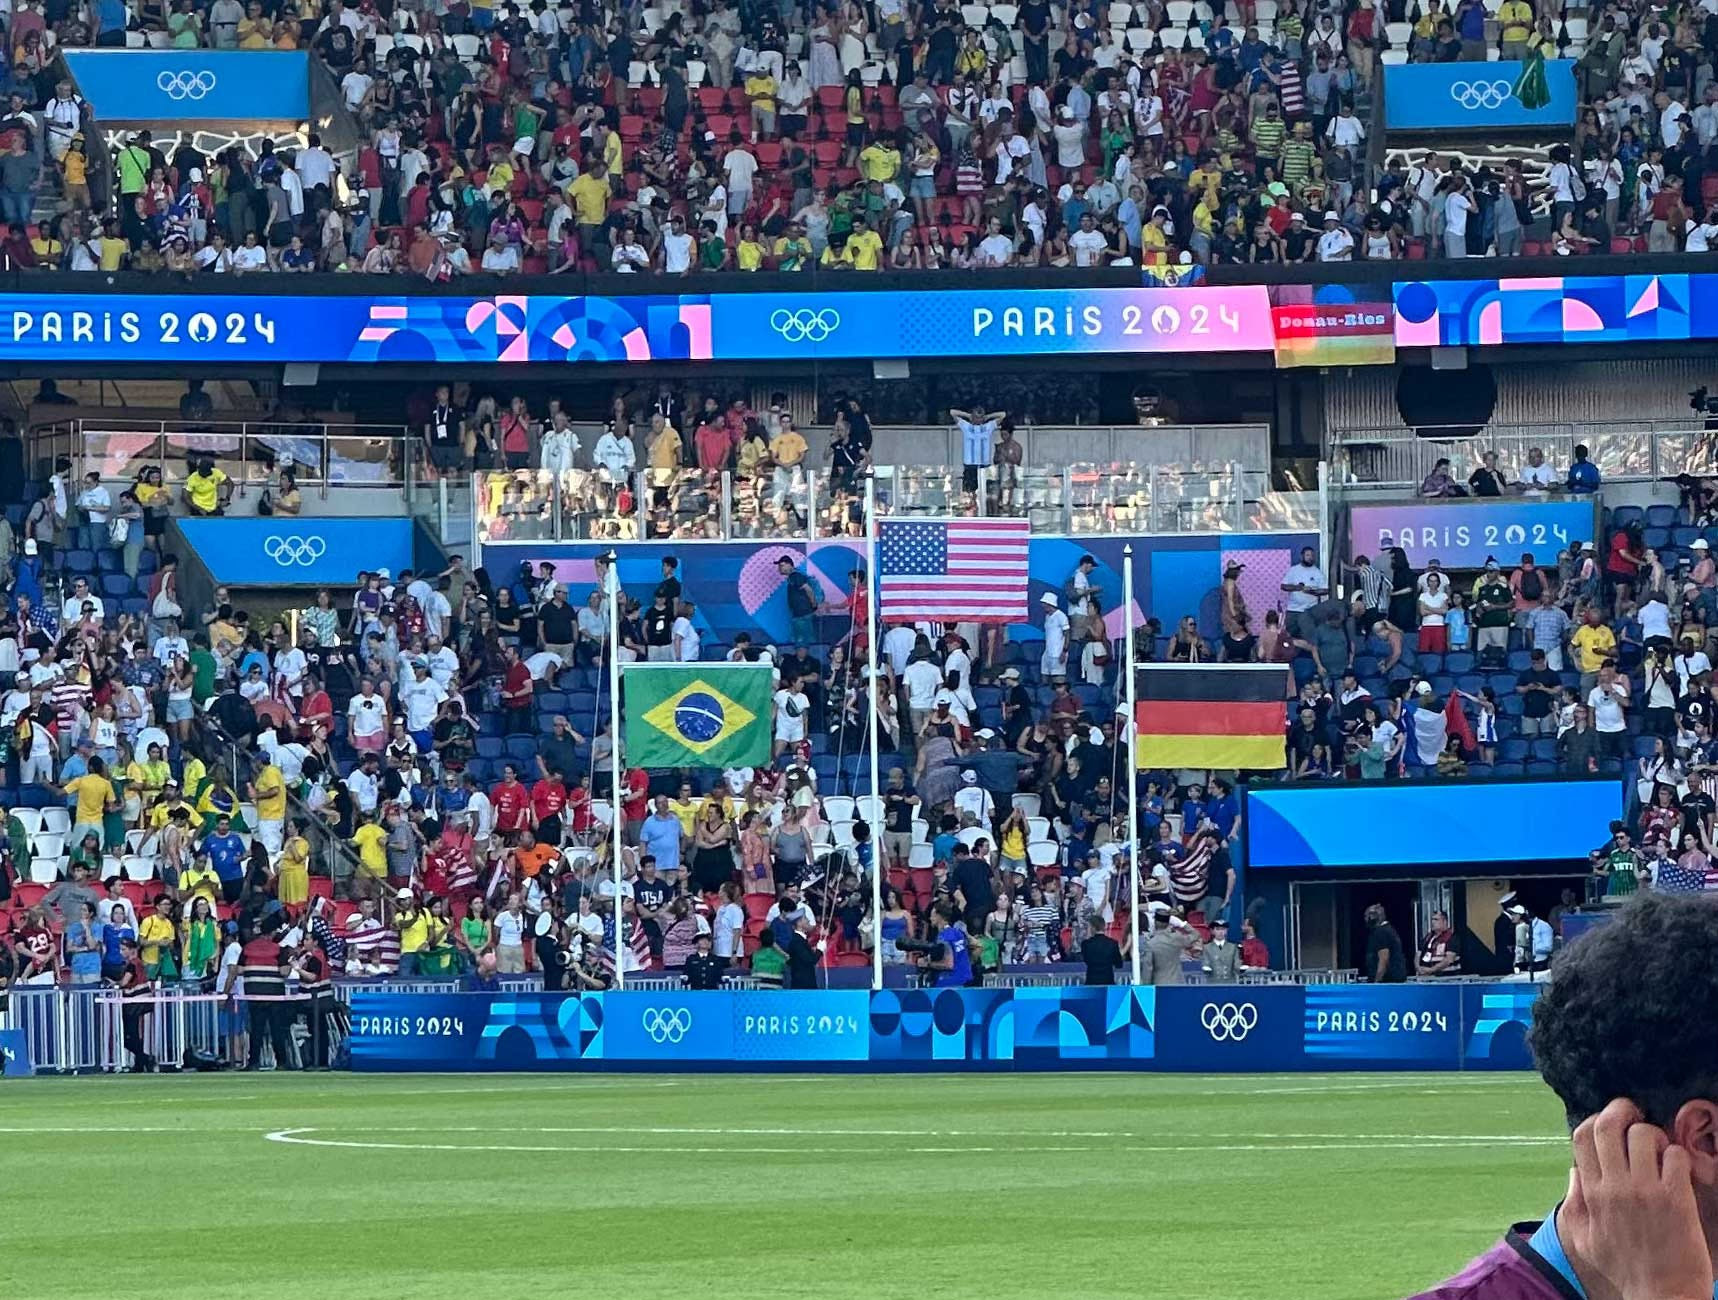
(15, 1054)
(1229, 1028)
(1464, 534)
(194, 85)
(687, 327)
(1405, 1025)
(1474, 97)
(1522, 821)
(1560, 309)
(308, 551)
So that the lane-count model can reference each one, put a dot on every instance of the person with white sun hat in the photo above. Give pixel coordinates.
(1053, 664)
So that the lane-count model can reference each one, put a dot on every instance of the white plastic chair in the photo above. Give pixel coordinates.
(920, 855)
(868, 808)
(602, 812)
(838, 808)
(1043, 854)
(1180, 13)
(1121, 15)
(47, 844)
(841, 835)
(820, 835)
(1173, 38)
(44, 871)
(1005, 14)
(29, 818)
(973, 834)
(466, 47)
(57, 820)
(137, 868)
(1037, 830)
(1028, 804)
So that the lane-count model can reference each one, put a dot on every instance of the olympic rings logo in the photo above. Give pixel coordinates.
(1228, 1022)
(292, 549)
(667, 1026)
(185, 85)
(804, 325)
(1475, 95)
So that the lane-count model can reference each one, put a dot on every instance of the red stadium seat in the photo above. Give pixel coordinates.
(757, 905)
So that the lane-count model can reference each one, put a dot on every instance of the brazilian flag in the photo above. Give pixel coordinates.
(698, 715)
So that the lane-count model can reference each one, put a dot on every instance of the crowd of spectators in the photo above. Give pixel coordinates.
(860, 136)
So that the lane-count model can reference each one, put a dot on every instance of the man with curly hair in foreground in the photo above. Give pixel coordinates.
(1624, 1036)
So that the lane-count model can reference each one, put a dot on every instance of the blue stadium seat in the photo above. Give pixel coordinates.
(1365, 666)
(78, 561)
(1442, 683)
(1508, 769)
(489, 747)
(1520, 660)
(1459, 662)
(115, 586)
(109, 561)
(1537, 768)
(1643, 746)
(1623, 516)
(1513, 751)
(1502, 683)
(1509, 706)
(1430, 663)
(1684, 535)
(147, 563)
(1658, 516)
(521, 747)
(1480, 769)
(1544, 748)
(1470, 682)
(552, 701)
(134, 605)
(1657, 538)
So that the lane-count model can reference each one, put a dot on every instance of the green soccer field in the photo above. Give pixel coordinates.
(1278, 1187)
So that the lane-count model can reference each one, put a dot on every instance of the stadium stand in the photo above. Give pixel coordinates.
(414, 778)
(594, 137)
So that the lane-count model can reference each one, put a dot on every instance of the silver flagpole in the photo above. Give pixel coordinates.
(872, 591)
(615, 793)
(1130, 731)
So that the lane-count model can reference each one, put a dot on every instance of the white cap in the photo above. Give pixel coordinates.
(985, 733)
(1331, 216)
(1699, 544)
(969, 777)
(29, 546)
(1049, 598)
(383, 573)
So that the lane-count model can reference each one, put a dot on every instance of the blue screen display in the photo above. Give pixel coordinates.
(312, 551)
(194, 85)
(1392, 825)
(1474, 97)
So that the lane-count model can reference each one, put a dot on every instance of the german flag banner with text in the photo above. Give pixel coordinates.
(698, 714)
(1210, 715)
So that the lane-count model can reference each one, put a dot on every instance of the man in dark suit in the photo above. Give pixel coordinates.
(802, 957)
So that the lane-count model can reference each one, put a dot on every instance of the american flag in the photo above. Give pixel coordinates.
(953, 570)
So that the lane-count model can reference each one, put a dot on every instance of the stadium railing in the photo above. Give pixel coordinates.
(1638, 451)
(806, 504)
(321, 455)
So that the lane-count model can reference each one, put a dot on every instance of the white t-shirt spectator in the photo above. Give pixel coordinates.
(250, 258)
(1655, 620)
(1306, 575)
(628, 259)
(1456, 208)
(501, 260)
(1088, 247)
(367, 715)
(687, 639)
(1607, 706)
(996, 250)
(354, 86)
(510, 929)
(739, 166)
(923, 679)
(677, 250)
(791, 708)
(1336, 245)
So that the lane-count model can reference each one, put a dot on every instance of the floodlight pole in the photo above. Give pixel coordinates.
(1129, 730)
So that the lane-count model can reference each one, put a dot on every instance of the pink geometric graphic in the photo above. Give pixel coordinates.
(696, 319)
(1491, 322)
(1579, 317)
(1648, 300)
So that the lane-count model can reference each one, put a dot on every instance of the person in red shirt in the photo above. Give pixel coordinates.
(713, 446)
(518, 694)
(635, 802)
(548, 798)
(317, 709)
(37, 954)
(577, 816)
(512, 800)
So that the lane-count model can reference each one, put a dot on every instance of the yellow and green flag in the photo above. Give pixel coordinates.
(698, 715)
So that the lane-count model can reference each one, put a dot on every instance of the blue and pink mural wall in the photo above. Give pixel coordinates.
(737, 588)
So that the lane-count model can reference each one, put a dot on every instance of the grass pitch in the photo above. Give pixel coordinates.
(1282, 1187)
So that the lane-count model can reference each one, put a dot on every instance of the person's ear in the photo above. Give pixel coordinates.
(1695, 1130)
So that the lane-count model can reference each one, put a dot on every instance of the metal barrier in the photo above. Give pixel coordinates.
(1306, 975)
(1638, 451)
(811, 505)
(70, 1031)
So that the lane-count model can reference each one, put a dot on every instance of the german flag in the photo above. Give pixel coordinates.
(1224, 716)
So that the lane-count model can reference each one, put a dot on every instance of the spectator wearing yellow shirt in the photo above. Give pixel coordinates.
(199, 881)
(94, 794)
(207, 489)
(158, 937)
(255, 30)
(863, 250)
(761, 90)
(589, 195)
(418, 931)
(1154, 237)
(749, 250)
(787, 452)
(879, 161)
(268, 792)
(1515, 18)
(664, 451)
(292, 886)
(371, 841)
(1592, 643)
